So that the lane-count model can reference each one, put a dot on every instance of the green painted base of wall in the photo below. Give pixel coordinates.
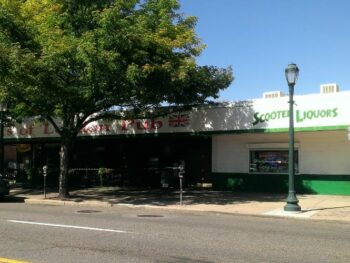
(278, 183)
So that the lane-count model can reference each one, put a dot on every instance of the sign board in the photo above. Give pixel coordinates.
(313, 112)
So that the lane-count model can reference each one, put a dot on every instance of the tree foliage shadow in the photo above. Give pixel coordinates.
(161, 197)
(12, 199)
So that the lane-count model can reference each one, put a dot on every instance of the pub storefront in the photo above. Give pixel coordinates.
(229, 146)
(134, 161)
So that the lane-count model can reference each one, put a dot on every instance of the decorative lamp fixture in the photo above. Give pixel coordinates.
(292, 73)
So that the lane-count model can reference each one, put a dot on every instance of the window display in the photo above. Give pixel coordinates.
(271, 161)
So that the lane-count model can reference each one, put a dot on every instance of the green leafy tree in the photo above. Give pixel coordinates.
(70, 61)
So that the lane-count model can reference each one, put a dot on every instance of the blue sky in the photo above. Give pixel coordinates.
(259, 38)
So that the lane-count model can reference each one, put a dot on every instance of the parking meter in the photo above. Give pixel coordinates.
(45, 170)
(45, 174)
(181, 169)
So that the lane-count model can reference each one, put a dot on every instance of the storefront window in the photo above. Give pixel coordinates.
(271, 161)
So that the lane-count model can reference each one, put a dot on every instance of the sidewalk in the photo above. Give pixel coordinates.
(321, 207)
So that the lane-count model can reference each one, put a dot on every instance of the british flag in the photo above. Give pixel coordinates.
(179, 120)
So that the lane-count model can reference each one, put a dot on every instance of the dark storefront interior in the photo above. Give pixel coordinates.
(134, 161)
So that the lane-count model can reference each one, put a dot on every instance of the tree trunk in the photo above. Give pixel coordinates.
(66, 147)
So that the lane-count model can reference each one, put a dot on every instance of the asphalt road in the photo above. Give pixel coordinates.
(50, 234)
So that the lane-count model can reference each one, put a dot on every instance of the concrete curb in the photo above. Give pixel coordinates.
(184, 208)
(174, 207)
(70, 203)
(52, 202)
(262, 211)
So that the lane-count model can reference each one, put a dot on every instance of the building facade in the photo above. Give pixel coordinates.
(231, 146)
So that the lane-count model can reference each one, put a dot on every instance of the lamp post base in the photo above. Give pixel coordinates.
(292, 203)
(292, 208)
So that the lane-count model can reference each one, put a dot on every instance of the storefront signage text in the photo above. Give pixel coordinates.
(141, 124)
(300, 115)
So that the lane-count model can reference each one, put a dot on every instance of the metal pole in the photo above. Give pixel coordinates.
(181, 171)
(45, 174)
(45, 187)
(292, 201)
(180, 190)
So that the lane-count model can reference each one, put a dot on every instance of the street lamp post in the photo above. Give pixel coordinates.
(292, 72)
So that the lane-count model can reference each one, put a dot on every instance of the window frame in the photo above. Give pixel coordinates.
(266, 147)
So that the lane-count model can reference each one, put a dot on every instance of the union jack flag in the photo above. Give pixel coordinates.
(179, 120)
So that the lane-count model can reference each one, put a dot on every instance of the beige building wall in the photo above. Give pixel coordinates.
(321, 152)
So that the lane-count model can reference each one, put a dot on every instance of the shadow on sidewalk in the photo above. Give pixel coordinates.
(163, 197)
(158, 197)
(12, 199)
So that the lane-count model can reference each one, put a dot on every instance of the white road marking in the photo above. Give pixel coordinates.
(69, 226)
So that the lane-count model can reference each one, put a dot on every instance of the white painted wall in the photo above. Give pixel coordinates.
(324, 152)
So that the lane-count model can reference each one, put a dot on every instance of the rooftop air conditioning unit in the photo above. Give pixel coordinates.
(329, 88)
(273, 94)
